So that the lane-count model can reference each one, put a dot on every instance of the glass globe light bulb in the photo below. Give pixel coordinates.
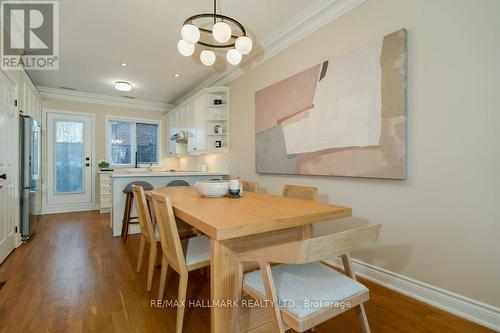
(244, 45)
(185, 48)
(190, 33)
(222, 32)
(207, 57)
(233, 57)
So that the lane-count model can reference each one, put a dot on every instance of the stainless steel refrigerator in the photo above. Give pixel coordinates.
(30, 174)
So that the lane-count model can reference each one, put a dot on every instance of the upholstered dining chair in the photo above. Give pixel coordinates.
(250, 186)
(300, 192)
(305, 292)
(149, 234)
(192, 254)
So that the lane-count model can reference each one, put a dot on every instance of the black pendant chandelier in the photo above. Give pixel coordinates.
(214, 31)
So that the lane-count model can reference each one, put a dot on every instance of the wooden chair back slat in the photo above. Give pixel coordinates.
(315, 249)
(169, 235)
(250, 186)
(143, 213)
(300, 192)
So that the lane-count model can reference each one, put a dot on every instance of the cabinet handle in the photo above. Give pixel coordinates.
(194, 148)
(4, 176)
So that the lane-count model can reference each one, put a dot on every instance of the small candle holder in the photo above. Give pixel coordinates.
(234, 188)
(234, 194)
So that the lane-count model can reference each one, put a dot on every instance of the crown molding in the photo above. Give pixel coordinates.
(78, 96)
(310, 19)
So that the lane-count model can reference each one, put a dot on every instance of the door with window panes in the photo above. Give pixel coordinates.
(133, 143)
(69, 159)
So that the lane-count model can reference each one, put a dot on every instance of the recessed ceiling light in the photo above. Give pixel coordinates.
(123, 86)
(177, 75)
(123, 64)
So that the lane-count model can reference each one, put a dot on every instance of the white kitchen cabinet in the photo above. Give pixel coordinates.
(29, 102)
(190, 126)
(104, 192)
(198, 117)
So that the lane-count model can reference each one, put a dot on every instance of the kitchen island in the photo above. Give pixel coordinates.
(157, 179)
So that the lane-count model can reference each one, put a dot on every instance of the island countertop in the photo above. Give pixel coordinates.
(132, 174)
(120, 178)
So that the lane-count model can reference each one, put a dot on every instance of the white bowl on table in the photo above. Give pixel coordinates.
(212, 188)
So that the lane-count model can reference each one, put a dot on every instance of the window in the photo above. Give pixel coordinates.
(129, 138)
(69, 156)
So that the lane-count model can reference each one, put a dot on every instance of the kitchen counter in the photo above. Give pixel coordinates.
(129, 174)
(122, 177)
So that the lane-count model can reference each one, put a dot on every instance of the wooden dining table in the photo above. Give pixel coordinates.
(235, 225)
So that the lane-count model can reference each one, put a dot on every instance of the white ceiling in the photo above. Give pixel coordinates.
(97, 35)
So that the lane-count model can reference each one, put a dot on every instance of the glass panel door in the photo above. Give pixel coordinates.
(69, 155)
(70, 170)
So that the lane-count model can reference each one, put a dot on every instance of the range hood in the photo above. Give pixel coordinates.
(179, 137)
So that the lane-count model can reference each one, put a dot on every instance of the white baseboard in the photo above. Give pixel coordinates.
(478, 312)
(47, 209)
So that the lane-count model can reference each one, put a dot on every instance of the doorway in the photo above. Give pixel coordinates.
(8, 165)
(70, 158)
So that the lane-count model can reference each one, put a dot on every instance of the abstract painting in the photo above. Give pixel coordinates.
(343, 117)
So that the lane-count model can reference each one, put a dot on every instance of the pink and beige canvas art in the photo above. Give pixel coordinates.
(343, 117)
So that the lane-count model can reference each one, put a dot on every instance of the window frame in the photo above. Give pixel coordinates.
(134, 122)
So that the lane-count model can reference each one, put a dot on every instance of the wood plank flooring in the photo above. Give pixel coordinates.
(73, 276)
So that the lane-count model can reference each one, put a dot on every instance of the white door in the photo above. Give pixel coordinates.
(8, 157)
(69, 161)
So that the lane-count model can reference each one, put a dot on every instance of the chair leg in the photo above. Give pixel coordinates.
(126, 215)
(151, 264)
(183, 279)
(127, 224)
(362, 319)
(141, 253)
(163, 275)
(346, 261)
(267, 279)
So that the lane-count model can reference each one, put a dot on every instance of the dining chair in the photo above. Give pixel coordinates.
(300, 192)
(185, 257)
(185, 230)
(149, 234)
(301, 290)
(250, 186)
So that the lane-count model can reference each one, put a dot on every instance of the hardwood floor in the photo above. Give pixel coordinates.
(73, 276)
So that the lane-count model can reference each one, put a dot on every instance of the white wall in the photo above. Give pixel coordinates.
(442, 225)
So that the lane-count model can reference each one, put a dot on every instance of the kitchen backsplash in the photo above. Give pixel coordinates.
(215, 162)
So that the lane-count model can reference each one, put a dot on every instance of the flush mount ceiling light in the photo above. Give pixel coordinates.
(214, 32)
(123, 86)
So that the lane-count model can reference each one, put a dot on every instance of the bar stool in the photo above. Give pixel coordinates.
(185, 230)
(127, 219)
(178, 182)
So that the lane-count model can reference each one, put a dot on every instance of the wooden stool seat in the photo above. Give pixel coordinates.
(127, 219)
